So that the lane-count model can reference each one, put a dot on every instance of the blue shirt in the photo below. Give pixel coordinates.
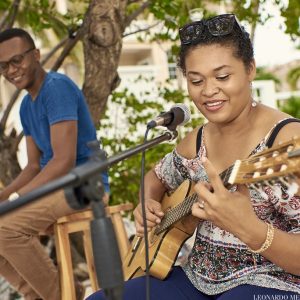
(59, 99)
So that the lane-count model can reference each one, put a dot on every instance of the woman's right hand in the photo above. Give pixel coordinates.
(154, 215)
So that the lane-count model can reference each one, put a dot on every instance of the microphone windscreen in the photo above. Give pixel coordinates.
(182, 114)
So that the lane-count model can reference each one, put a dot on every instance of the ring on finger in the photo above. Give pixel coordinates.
(201, 204)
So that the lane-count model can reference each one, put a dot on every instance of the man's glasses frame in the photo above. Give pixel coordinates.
(16, 61)
(217, 26)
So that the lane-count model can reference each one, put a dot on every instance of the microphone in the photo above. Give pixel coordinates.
(179, 114)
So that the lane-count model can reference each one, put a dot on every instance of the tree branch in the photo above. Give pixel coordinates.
(18, 140)
(136, 13)
(70, 43)
(3, 19)
(254, 24)
(53, 51)
(8, 109)
(15, 7)
(132, 1)
(141, 30)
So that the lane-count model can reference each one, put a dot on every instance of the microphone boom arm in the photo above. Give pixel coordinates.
(81, 173)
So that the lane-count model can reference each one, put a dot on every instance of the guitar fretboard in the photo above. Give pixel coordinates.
(184, 208)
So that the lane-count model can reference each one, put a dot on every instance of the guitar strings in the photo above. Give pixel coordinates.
(176, 213)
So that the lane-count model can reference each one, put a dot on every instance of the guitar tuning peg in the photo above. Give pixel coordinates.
(277, 191)
(292, 189)
(283, 168)
(267, 184)
(263, 194)
(259, 187)
(254, 188)
(290, 148)
(256, 174)
(272, 182)
(275, 188)
(283, 182)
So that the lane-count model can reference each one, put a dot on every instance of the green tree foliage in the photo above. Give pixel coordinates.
(123, 127)
(291, 106)
(293, 77)
(262, 74)
(291, 13)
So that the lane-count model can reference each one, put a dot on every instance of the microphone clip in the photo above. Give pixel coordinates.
(91, 189)
(173, 133)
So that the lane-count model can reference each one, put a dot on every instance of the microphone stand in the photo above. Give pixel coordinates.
(83, 186)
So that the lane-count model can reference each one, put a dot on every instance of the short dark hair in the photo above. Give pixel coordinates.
(238, 40)
(16, 32)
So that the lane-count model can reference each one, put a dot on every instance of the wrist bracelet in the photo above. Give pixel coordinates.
(13, 196)
(267, 243)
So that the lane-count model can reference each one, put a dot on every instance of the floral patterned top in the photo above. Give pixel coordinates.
(219, 261)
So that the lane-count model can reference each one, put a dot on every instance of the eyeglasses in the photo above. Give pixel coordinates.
(217, 26)
(16, 61)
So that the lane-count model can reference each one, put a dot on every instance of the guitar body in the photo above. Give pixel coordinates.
(163, 247)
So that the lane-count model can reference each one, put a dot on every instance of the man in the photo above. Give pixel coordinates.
(57, 127)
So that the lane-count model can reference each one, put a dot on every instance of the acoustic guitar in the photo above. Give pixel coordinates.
(271, 166)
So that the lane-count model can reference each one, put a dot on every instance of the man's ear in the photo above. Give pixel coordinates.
(37, 54)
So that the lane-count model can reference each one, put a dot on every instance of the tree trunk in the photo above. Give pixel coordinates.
(9, 165)
(255, 10)
(102, 41)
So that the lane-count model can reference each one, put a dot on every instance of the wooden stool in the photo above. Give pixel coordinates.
(80, 222)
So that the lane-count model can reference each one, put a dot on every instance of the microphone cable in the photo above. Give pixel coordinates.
(147, 274)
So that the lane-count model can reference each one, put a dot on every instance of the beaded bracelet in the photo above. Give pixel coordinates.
(267, 243)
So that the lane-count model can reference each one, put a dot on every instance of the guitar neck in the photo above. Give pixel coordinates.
(184, 208)
(175, 214)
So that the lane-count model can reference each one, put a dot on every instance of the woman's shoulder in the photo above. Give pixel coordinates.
(187, 146)
(277, 119)
(287, 132)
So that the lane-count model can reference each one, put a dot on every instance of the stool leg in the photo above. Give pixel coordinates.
(64, 260)
(88, 249)
(121, 234)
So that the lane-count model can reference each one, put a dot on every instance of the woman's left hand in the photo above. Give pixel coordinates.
(231, 211)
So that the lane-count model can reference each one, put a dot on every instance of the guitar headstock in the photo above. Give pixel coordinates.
(272, 165)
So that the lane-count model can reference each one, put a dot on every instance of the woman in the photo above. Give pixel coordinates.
(247, 243)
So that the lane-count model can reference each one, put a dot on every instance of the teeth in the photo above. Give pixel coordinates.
(16, 78)
(214, 103)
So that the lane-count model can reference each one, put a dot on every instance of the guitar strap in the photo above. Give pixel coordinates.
(199, 138)
(271, 138)
(277, 128)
